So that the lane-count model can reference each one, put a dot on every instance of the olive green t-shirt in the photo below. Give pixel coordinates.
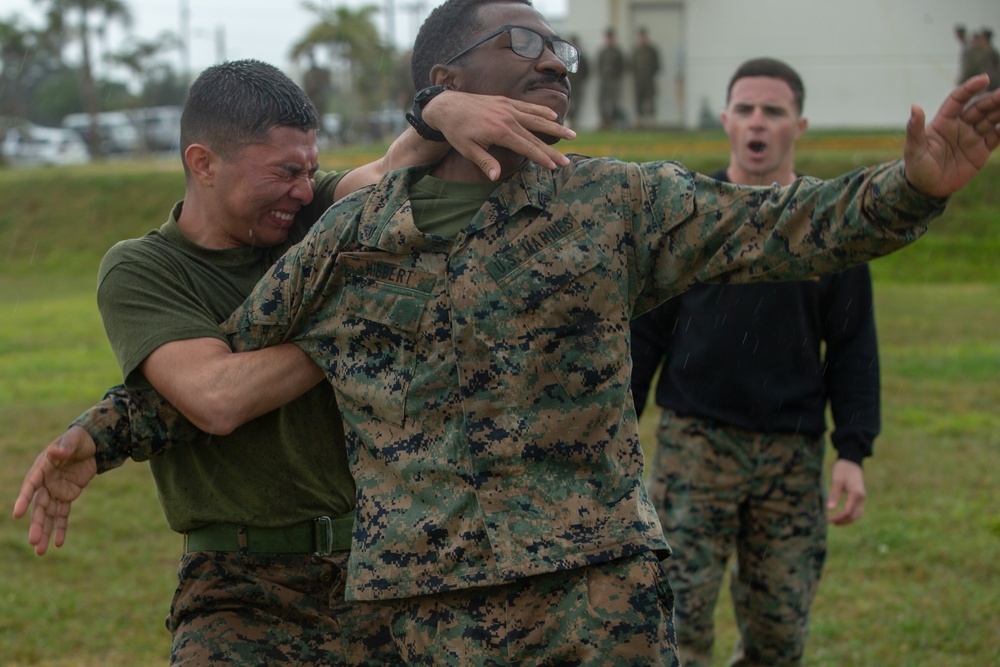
(444, 208)
(287, 466)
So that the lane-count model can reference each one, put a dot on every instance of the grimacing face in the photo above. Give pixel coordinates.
(262, 187)
(763, 124)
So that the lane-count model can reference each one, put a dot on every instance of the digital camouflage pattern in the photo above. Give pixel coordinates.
(137, 425)
(484, 381)
(615, 614)
(705, 475)
(250, 610)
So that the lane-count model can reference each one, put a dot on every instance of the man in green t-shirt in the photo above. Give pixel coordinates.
(267, 507)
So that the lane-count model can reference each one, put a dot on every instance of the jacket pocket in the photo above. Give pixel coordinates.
(378, 325)
(570, 306)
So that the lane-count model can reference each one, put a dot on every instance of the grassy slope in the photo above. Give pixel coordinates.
(910, 584)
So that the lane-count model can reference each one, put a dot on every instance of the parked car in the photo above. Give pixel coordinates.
(33, 145)
(159, 127)
(117, 133)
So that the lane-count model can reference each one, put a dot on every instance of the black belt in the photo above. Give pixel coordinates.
(320, 536)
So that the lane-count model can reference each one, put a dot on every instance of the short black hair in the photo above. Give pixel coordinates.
(237, 103)
(446, 31)
(775, 69)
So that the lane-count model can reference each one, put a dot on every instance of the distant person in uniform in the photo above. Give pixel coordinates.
(610, 70)
(966, 64)
(578, 81)
(982, 57)
(645, 67)
(989, 58)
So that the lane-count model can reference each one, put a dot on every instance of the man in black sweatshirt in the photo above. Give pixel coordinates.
(747, 372)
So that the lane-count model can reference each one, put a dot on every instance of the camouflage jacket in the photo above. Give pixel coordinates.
(484, 380)
(135, 424)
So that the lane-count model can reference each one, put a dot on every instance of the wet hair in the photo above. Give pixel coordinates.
(238, 103)
(774, 69)
(447, 30)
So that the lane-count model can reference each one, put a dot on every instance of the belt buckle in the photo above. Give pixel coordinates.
(322, 528)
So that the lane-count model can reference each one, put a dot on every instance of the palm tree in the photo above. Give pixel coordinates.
(354, 45)
(142, 58)
(104, 11)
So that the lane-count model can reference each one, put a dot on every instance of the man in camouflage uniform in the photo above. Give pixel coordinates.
(477, 338)
(610, 72)
(645, 67)
(966, 58)
(744, 387)
(989, 58)
(578, 81)
(267, 508)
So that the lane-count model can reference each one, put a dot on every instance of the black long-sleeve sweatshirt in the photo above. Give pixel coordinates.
(768, 357)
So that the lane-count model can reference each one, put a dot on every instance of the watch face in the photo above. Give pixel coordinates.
(425, 94)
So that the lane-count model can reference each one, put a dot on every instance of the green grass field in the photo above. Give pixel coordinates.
(913, 583)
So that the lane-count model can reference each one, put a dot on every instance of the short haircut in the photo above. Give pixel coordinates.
(238, 103)
(447, 30)
(774, 69)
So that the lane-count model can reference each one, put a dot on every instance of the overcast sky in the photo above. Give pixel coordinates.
(261, 29)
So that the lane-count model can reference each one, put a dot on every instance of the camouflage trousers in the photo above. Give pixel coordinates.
(613, 614)
(720, 491)
(608, 96)
(249, 610)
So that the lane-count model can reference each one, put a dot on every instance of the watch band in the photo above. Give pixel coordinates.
(415, 115)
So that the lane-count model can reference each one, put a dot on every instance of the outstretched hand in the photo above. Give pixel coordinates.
(943, 156)
(473, 123)
(57, 478)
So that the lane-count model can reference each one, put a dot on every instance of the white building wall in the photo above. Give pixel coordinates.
(863, 61)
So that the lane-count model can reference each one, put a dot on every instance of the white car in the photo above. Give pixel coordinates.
(159, 127)
(116, 131)
(28, 145)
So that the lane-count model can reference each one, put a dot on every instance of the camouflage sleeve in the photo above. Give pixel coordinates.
(295, 287)
(816, 227)
(108, 424)
(266, 315)
(721, 232)
(137, 424)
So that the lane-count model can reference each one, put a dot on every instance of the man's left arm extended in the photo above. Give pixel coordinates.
(853, 386)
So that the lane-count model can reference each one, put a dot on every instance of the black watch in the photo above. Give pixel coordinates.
(415, 115)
